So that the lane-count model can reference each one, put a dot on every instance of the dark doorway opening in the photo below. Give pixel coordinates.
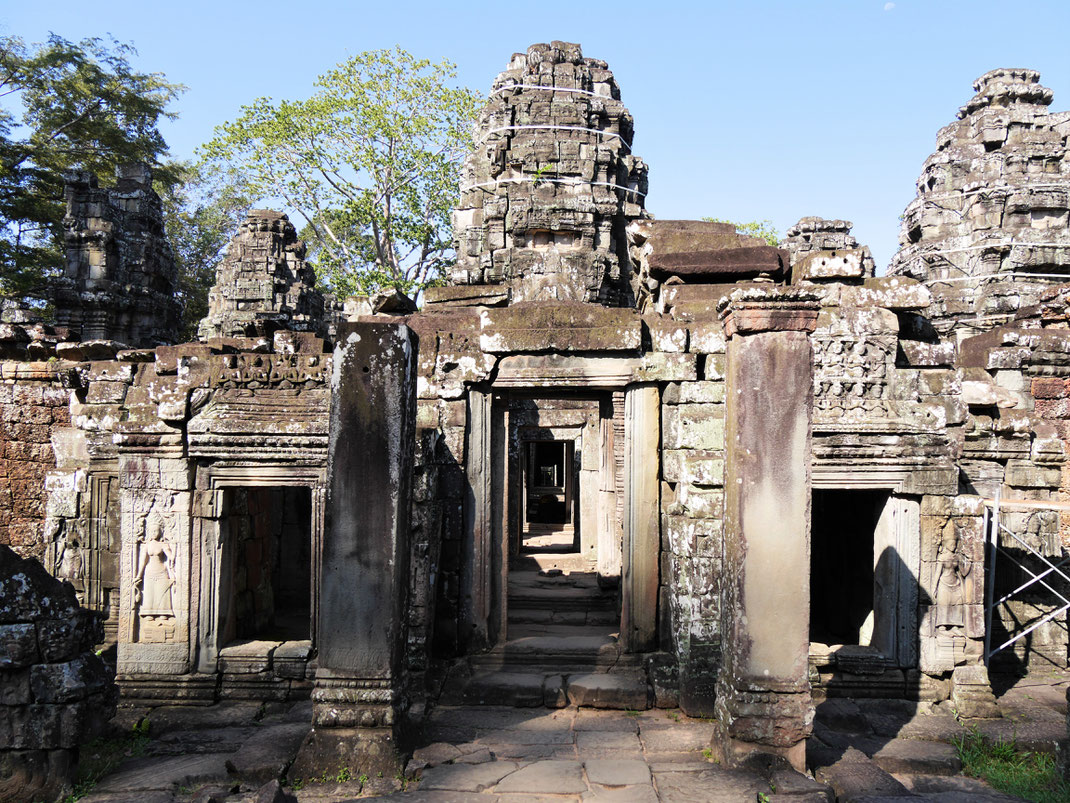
(842, 532)
(267, 564)
(548, 496)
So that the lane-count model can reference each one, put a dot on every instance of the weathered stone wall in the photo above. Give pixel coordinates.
(692, 470)
(33, 402)
(55, 692)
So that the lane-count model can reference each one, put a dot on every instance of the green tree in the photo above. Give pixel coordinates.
(67, 106)
(763, 229)
(202, 212)
(370, 162)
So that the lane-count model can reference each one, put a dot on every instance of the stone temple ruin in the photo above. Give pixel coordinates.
(616, 461)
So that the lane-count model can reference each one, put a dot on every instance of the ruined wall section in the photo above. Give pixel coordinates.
(57, 692)
(263, 284)
(824, 250)
(552, 183)
(992, 205)
(120, 279)
(1016, 445)
(33, 405)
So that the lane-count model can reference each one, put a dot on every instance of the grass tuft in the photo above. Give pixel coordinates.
(1007, 768)
(101, 757)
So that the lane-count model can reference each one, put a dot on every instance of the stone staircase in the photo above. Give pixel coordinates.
(561, 647)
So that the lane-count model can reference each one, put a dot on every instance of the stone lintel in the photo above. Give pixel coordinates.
(721, 262)
(557, 370)
(467, 295)
(751, 311)
(540, 326)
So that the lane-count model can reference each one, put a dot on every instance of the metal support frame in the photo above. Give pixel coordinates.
(992, 529)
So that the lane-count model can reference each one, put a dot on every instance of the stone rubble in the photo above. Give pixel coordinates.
(55, 692)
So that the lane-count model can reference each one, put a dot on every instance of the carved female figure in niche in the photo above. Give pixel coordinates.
(155, 576)
(72, 561)
(953, 568)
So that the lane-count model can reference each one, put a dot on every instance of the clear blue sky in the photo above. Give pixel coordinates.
(743, 110)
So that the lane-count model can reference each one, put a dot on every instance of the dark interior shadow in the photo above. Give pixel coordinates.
(865, 697)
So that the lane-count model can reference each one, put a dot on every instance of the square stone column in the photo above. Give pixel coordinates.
(764, 703)
(357, 700)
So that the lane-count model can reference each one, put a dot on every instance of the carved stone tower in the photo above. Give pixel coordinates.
(263, 283)
(120, 279)
(990, 216)
(552, 183)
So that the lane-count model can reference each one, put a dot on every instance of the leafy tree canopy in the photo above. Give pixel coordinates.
(202, 212)
(370, 162)
(67, 106)
(763, 229)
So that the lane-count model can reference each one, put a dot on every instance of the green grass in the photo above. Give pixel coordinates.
(1009, 769)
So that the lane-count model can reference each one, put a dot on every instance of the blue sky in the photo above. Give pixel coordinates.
(743, 110)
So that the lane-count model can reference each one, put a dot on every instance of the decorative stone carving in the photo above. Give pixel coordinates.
(154, 583)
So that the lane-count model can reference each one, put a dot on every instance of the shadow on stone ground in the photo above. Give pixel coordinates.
(862, 750)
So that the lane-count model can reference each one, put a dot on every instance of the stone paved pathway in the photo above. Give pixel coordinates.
(231, 752)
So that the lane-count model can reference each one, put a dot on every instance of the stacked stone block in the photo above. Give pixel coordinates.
(992, 205)
(824, 250)
(55, 692)
(552, 183)
(120, 279)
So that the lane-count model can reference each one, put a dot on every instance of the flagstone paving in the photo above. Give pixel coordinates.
(234, 753)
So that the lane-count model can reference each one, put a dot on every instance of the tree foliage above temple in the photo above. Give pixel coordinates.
(67, 106)
(369, 162)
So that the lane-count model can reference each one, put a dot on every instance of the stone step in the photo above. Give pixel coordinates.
(918, 757)
(622, 690)
(572, 562)
(545, 615)
(561, 594)
(578, 650)
(855, 776)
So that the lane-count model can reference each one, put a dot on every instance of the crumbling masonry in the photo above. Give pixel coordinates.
(616, 461)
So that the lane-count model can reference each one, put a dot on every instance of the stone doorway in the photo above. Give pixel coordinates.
(564, 468)
(266, 567)
(547, 521)
(863, 579)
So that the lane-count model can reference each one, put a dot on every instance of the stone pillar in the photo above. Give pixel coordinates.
(642, 535)
(763, 694)
(364, 565)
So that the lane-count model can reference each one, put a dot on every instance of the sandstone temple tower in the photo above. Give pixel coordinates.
(990, 218)
(552, 184)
